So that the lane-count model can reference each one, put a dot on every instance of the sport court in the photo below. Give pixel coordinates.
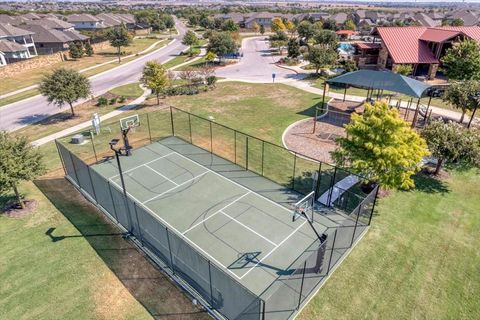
(222, 210)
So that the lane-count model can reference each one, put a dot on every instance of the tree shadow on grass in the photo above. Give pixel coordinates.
(145, 282)
(427, 184)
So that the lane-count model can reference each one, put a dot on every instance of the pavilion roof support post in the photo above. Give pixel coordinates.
(345, 93)
(428, 106)
(316, 107)
(415, 116)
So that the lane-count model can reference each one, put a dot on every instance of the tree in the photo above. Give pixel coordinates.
(326, 38)
(88, 49)
(458, 22)
(262, 29)
(306, 31)
(278, 25)
(460, 95)
(155, 77)
(230, 25)
(190, 39)
(65, 86)
(404, 69)
(330, 24)
(290, 26)
(19, 161)
(256, 27)
(293, 48)
(119, 37)
(381, 147)
(210, 57)
(349, 25)
(462, 61)
(450, 142)
(222, 43)
(321, 57)
(75, 50)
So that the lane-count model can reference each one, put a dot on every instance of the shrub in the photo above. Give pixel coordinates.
(211, 80)
(122, 99)
(113, 100)
(102, 101)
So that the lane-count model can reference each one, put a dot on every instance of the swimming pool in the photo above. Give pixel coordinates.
(346, 48)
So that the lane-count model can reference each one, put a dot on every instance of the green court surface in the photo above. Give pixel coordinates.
(238, 220)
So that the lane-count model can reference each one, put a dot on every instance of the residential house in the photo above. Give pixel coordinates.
(49, 23)
(114, 19)
(11, 51)
(19, 36)
(86, 22)
(425, 20)
(469, 18)
(422, 47)
(312, 16)
(339, 18)
(261, 18)
(48, 41)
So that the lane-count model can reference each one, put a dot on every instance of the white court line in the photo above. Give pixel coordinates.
(228, 205)
(143, 164)
(178, 185)
(155, 216)
(161, 175)
(248, 228)
(236, 183)
(268, 254)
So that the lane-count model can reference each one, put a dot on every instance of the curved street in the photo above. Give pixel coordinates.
(28, 111)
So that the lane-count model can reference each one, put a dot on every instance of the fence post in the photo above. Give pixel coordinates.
(93, 186)
(93, 146)
(263, 309)
(74, 168)
(149, 131)
(235, 145)
(171, 121)
(246, 153)
(210, 282)
(374, 203)
(333, 248)
(263, 154)
(138, 224)
(319, 180)
(61, 158)
(356, 223)
(332, 185)
(301, 285)
(113, 202)
(211, 138)
(190, 127)
(294, 169)
(170, 251)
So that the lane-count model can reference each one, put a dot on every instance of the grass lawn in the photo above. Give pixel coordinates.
(239, 105)
(31, 77)
(132, 90)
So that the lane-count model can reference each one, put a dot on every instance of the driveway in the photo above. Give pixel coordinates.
(256, 65)
(22, 113)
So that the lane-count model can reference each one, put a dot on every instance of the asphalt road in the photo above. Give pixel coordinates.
(31, 110)
(256, 65)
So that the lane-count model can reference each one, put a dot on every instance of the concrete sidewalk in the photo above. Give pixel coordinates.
(87, 124)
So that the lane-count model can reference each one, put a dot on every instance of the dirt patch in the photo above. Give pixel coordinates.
(15, 211)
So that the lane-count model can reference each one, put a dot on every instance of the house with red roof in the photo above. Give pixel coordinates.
(421, 47)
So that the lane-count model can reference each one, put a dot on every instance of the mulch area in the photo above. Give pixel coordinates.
(15, 211)
(318, 145)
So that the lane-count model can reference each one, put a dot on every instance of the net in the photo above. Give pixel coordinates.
(304, 207)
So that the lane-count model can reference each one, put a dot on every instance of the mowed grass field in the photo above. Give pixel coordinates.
(419, 260)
